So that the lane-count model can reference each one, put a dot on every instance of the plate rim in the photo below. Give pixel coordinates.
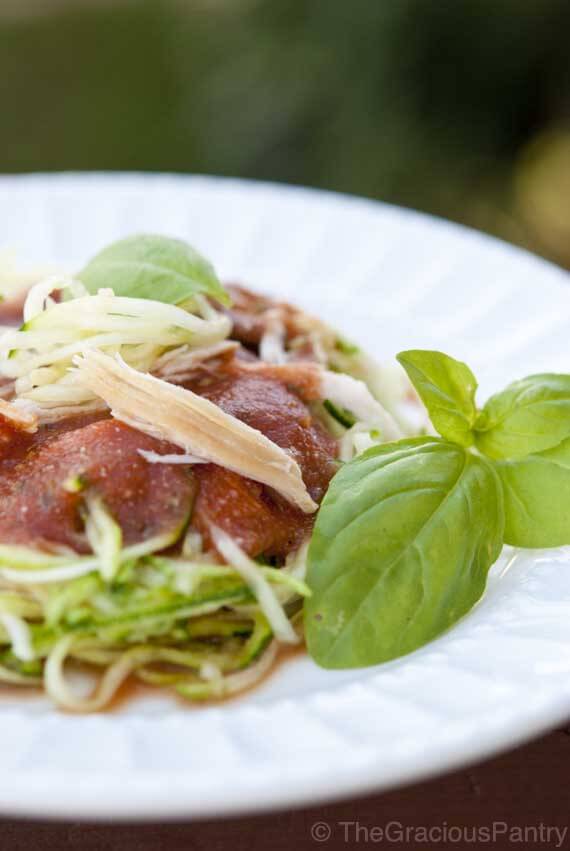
(136, 175)
(47, 802)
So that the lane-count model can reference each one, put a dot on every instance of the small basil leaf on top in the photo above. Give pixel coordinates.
(154, 267)
(447, 388)
(528, 416)
(537, 498)
(401, 549)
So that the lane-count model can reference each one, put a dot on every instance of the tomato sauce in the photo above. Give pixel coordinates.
(38, 509)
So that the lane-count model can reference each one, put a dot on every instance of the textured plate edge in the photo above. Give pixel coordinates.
(290, 189)
(184, 805)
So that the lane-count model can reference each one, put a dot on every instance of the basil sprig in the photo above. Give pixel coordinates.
(154, 267)
(407, 532)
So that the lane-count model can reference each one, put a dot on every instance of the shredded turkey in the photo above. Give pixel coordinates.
(16, 417)
(198, 426)
(272, 343)
(171, 458)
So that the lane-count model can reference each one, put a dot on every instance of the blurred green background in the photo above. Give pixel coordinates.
(456, 107)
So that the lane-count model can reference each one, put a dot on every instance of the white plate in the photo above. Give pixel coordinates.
(391, 279)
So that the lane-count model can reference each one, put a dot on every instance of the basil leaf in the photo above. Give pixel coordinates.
(537, 498)
(154, 267)
(447, 388)
(401, 549)
(529, 416)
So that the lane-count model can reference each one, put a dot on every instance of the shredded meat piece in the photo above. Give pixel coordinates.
(11, 310)
(247, 315)
(251, 314)
(301, 377)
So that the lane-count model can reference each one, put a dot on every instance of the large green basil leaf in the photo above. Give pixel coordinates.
(401, 549)
(537, 498)
(528, 416)
(153, 267)
(447, 388)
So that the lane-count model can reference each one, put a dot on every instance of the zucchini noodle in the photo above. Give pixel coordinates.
(207, 630)
(19, 635)
(37, 357)
(104, 535)
(259, 585)
(60, 690)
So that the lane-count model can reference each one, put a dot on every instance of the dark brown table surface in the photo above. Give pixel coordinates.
(525, 788)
